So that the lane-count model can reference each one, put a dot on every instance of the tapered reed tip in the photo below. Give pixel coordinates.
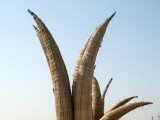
(30, 12)
(111, 16)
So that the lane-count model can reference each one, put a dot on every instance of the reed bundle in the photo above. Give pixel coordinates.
(86, 101)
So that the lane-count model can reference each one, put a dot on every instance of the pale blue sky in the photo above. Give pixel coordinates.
(129, 53)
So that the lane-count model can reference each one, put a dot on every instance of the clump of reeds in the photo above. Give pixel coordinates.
(86, 101)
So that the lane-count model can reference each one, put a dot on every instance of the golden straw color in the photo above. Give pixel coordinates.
(96, 100)
(104, 94)
(86, 101)
(83, 78)
(58, 71)
(123, 102)
(122, 110)
(78, 62)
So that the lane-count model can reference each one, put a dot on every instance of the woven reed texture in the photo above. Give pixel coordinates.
(121, 111)
(58, 71)
(87, 102)
(122, 102)
(83, 78)
(96, 100)
(104, 94)
(78, 64)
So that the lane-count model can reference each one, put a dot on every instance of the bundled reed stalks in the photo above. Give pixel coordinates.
(86, 101)
(123, 102)
(122, 110)
(104, 94)
(58, 71)
(96, 100)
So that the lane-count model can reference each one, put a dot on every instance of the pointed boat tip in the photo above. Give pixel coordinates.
(149, 102)
(114, 13)
(111, 80)
(135, 96)
(111, 16)
(107, 21)
(30, 12)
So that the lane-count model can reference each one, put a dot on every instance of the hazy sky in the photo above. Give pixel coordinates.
(130, 53)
